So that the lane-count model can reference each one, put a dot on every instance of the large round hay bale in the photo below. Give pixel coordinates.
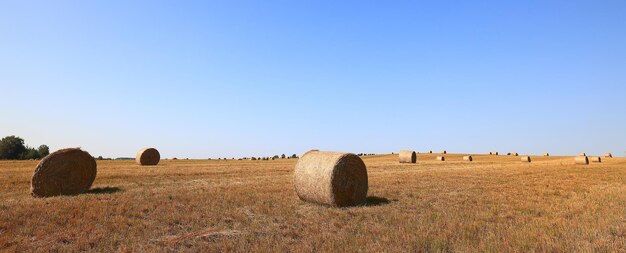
(64, 172)
(148, 156)
(608, 155)
(525, 159)
(407, 156)
(581, 160)
(441, 158)
(596, 159)
(331, 178)
(468, 158)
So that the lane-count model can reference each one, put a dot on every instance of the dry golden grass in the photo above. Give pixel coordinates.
(493, 204)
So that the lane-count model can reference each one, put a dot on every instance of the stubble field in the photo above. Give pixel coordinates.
(493, 204)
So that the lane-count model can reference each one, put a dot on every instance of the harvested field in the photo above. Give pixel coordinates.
(494, 204)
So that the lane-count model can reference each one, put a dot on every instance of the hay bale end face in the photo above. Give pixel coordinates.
(64, 172)
(582, 154)
(596, 159)
(514, 154)
(148, 157)
(444, 152)
(331, 178)
(525, 159)
(441, 158)
(407, 156)
(468, 158)
(546, 154)
(608, 155)
(581, 160)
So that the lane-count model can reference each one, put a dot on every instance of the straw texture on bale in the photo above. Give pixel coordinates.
(441, 158)
(596, 159)
(148, 156)
(468, 158)
(608, 155)
(581, 160)
(407, 156)
(64, 172)
(525, 159)
(331, 178)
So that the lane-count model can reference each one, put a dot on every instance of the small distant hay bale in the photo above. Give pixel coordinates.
(582, 154)
(494, 153)
(468, 158)
(331, 178)
(407, 156)
(441, 158)
(444, 152)
(596, 159)
(508, 153)
(514, 154)
(581, 160)
(148, 157)
(64, 172)
(490, 153)
(608, 155)
(525, 159)
(546, 154)
(430, 152)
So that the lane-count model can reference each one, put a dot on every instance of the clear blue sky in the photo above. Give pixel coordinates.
(204, 79)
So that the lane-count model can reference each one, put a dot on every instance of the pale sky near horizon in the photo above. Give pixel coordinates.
(205, 79)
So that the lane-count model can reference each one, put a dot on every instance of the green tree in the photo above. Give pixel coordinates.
(12, 147)
(43, 150)
(30, 153)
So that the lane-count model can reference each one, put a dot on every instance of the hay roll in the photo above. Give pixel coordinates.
(582, 154)
(407, 156)
(525, 159)
(331, 178)
(490, 153)
(608, 155)
(148, 156)
(581, 160)
(596, 159)
(468, 158)
(546, 154)
(444, 152)
(494, 153)
(64, 172)
(441, 158)
(514, 154)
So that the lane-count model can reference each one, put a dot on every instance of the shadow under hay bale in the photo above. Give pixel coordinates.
(407, 156)
(65, 172)
(331, 178)
(104, 190)
(376, 201)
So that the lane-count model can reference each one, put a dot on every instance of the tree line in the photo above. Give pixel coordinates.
(13, 148)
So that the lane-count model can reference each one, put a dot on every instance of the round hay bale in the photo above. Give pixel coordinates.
(468, 158)
(430, 152)
(494, 153)
(441, 158)
(546, 154)
(444, 152)
(582, 154)
(608, 155)
(596, 159)
(331, 178)
(581, 160)
(525, 159)
(148, 156)
(64, 172)
(514, 154)
(407, 156)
